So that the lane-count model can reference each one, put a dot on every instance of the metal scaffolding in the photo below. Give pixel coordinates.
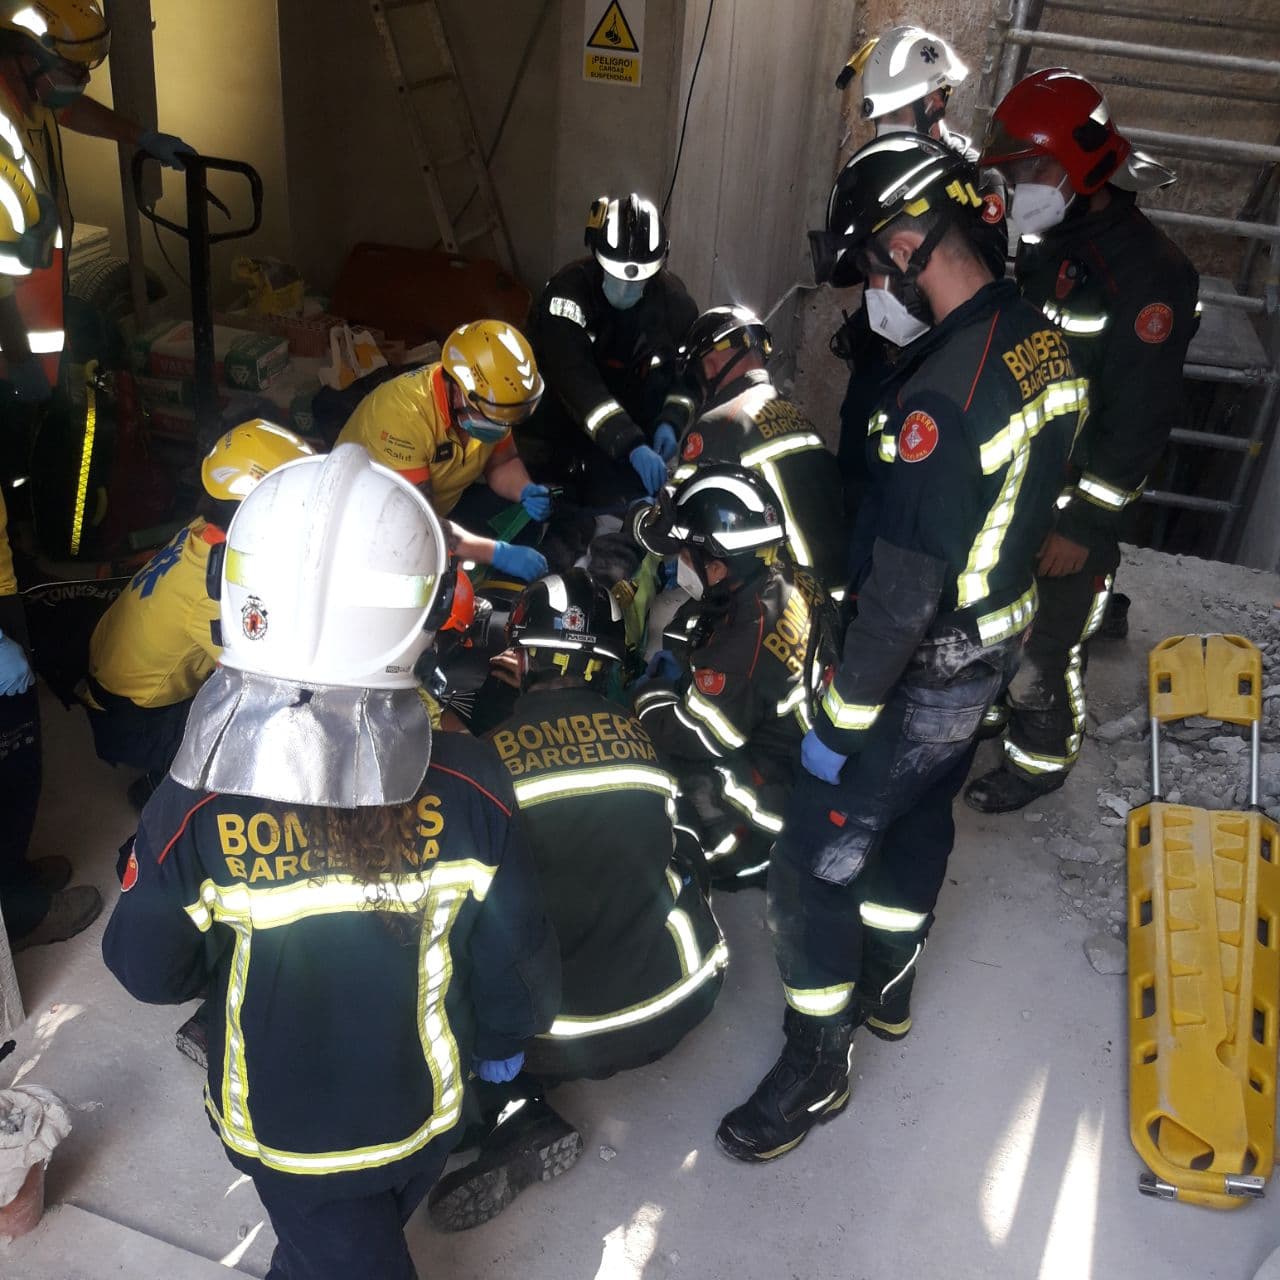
(1229, 350)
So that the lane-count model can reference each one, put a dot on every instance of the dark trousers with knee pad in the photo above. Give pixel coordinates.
(857, 870)
(1046, 700)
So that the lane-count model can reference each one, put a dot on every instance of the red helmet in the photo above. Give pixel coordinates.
(1060, 114)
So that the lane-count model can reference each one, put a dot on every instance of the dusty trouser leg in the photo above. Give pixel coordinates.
(821, 877)
(897, 908)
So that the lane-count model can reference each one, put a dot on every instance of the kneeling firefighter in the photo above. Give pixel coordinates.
(340, 876)
(729, 714)
(642, 955)
(966, 461)
(160, 639)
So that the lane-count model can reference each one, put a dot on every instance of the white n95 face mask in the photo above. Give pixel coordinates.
(888, 316)
(689, 580)
(1035, 207)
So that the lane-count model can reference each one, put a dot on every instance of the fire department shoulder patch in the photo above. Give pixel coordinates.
(693, 446)
(992, 207)
(709, 681)
(918, 437)
(130, 877)
(1154, 323)
(253, 617)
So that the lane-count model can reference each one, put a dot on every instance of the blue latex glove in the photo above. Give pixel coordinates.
(662, 666)
(536, 500)
(165, 147)
(668, 574)
(15, 670)
(498, 1070)
(665, 442)
(29, 380)
(819, 760)
(649, 467)
(525, 563)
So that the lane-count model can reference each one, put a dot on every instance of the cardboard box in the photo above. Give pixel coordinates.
(293, 392)
(244, 360)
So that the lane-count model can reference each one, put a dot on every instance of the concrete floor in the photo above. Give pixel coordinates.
(992, 1143)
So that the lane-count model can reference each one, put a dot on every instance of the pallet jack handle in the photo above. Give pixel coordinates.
(199, 240)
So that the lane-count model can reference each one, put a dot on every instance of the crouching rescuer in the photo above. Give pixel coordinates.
(642, 956)
(965, 464)
(730, 712)
(356, 893)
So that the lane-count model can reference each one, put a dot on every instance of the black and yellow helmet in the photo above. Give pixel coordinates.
(71, 31)
(570, 623)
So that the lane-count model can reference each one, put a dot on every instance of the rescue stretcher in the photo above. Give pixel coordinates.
(1204, 951)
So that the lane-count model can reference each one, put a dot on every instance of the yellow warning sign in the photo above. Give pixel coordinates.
(613, 41)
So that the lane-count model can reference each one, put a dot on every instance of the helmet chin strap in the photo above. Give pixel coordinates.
(905, 278)
(721, 379)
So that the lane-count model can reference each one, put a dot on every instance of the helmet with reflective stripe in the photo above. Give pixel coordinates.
(722, 512)
(900, 173)
(238, 461)
(331, 569)
(493, 365)
(73, 31)
(626, 235)
(722, 329)
(903, 66)
(1058, 113)
(20, 215)
(566, 620)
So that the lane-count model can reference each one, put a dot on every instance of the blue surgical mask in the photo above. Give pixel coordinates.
(480, 428)
(622, 295)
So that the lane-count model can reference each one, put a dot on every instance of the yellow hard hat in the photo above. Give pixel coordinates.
(76, 31)
(233, 467)
(493, 364)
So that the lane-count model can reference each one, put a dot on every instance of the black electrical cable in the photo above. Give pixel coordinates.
(693, 80)
(186, 284)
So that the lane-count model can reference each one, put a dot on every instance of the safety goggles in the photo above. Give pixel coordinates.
(505, 415)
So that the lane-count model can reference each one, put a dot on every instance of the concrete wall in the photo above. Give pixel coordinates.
(350, 160)
(218, 86)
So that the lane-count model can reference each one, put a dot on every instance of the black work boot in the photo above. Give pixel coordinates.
(530, 1143)
(808, 1085)
(888, 975)
(1003, 791)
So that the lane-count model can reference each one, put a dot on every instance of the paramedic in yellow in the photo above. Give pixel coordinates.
(448, 426)
(157, 643)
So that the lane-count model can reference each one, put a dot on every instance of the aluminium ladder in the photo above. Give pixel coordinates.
(415, 19)
(1228, 351)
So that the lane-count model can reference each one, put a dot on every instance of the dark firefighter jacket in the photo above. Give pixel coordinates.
(966, 455)
(613, 371)
(345, 1015)
(750, 424)
(1125, 296)
(755, 655)
(636, 935)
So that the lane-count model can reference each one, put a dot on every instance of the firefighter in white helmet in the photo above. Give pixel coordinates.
(47, 52)
(357, 893)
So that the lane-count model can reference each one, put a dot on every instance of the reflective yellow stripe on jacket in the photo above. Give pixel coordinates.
(439, 895)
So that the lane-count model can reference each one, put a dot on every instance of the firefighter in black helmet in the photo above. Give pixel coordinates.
(730, 713)
(605, 331)
(965, 462)
(743, 419)
(642, 955)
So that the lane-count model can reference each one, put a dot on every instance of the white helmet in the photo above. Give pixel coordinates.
(903, 66)
(332, 564)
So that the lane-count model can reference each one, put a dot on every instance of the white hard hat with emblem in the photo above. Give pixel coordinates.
(331, 567)
(904, 65)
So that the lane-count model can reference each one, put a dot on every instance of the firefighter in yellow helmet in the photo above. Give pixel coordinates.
(47, 52)
(158, 642)
(448, 425)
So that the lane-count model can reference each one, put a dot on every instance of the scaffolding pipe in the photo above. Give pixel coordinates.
(1143, 52)
(1227, 226)
(1262, 427)
(1219, 373)
(1231, 22)
(1211, 440)
(1197, 90)
(1217, 148)
(1237, 301)
(1163, 498)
